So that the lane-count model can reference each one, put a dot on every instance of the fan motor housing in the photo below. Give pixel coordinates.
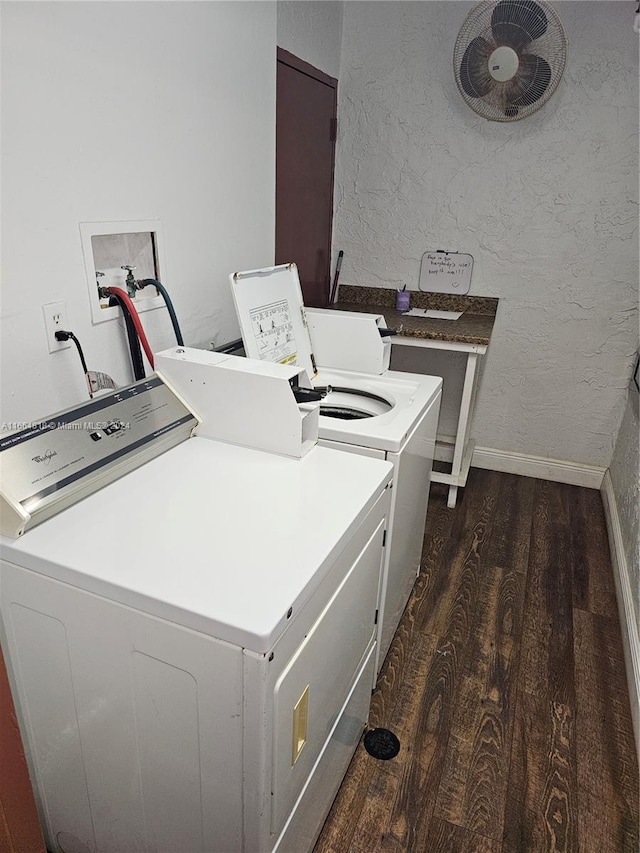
(503, 63)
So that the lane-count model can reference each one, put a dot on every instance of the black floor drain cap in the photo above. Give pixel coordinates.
(382, 744)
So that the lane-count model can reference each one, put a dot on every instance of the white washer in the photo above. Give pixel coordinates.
(191, 647)
(401, 428)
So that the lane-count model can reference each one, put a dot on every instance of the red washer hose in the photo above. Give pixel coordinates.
(136, 321)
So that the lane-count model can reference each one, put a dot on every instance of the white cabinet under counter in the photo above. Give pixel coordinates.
(467, 331)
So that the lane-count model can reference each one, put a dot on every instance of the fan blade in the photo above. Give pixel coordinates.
(516, 23)
(531, 81)
(474, 70)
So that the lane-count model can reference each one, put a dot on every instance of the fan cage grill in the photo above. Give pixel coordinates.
(496, 104)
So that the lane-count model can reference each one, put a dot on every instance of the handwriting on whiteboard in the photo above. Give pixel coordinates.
(273, 331)
(446, 272)
(447, 265)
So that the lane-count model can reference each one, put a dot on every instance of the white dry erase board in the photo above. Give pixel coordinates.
(445, 272)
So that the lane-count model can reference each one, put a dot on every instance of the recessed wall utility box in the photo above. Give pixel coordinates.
(109, 246)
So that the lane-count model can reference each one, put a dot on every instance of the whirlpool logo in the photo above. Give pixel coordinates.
(45, 457)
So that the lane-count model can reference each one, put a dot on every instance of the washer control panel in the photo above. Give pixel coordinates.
(56, 461)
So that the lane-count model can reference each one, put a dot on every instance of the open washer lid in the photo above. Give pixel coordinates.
(272, 316)
(273, 325)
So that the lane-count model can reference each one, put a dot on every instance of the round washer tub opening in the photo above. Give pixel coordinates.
(352, 403)
(344, 413)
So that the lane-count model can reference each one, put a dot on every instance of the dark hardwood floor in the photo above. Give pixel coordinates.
(505, 684)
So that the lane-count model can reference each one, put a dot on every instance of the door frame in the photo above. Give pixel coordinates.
(293, 61)
(300, 65)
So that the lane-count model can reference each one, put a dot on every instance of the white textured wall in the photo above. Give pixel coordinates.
(124, 111)
(312, 30)
(625, 476)
(548, 207)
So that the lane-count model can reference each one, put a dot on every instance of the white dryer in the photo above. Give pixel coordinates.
(191, 646)
(392, 416)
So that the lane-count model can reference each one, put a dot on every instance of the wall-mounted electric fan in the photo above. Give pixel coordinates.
(509, 57)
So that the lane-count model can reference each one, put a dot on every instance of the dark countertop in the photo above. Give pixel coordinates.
(474, 327)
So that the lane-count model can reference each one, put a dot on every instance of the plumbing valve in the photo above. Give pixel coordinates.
(130, 280)
(102, 291)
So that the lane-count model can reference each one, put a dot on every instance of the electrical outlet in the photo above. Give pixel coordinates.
(55, 319)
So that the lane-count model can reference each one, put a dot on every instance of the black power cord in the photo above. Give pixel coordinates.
(66, 336)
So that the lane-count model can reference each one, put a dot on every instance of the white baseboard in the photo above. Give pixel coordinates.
(626, 610)
(556, 470)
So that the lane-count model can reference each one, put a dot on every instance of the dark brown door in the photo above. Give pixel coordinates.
(305, 154)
